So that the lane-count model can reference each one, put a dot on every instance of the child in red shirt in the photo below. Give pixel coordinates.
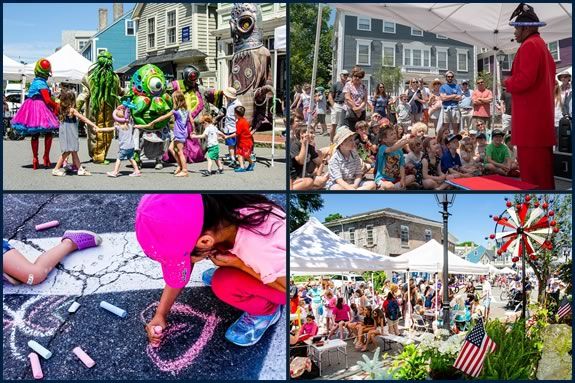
(244, 141)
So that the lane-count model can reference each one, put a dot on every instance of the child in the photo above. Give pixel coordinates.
(244, 141)
(69, 142)
(433, 177)
(413, 160)
(403, 112)
(467, 152)
(362, 142)
(419, 129)
(244, 234)
(497, 155)
(390, 165)
(230, 123)
(181, 120)
(451, 161)
(480, 148)
(213, 154)
(126, 142)
(17, 269)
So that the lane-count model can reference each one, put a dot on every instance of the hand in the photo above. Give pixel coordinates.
(153, 338)
(226, 260)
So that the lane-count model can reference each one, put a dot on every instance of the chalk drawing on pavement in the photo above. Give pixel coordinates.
(183, 318)
(38, 317)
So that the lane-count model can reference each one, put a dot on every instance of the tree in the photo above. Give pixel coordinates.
(391, 78)
(303, 21)
(379, 278)
(301, 206)
(468, 243)
(333, 217)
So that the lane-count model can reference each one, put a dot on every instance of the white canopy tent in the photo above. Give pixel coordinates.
(11, 69)
(507, 270)
(279, 45)
(494, 270)
(485, 25)
(429, 258)
(316, 249)
(67, 65)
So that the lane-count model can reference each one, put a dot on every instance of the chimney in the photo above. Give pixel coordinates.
(118, 10)
(102, 19)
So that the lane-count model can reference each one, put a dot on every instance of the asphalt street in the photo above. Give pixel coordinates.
(19, 175)
(194, 346)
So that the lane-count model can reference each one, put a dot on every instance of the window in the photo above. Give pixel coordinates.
(388, 50)
(363, 52)
(270, 43)
(427, 235)
(506, 64)
(461, 60)
(554, 49)
(441, 57)
(404, 236)
(100, 50)
(130, 27)
(416, 32)
(171, 28)
(82, 44)
(352, 235)
(441, 37)
(336, 232)
(388, 27)
(369, 236)
(364, 24)
(486, 66)
(417, 57)
(151, 33)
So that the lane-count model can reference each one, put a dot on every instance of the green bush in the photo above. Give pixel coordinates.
(410, 364)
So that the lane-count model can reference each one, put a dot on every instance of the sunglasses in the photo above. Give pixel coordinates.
(360, 77)
(449, 76)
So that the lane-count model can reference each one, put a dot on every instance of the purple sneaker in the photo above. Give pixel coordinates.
(84, 239)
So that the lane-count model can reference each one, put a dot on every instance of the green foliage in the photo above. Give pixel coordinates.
(391, 78)
(516, 355)
(333, 217)
(467, 243)
(410, 364)
(487, 78)
(303, 22)
(300, 208)
(379, 278)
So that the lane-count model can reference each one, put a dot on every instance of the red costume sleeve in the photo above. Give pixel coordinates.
(523, 76)
(45, 93)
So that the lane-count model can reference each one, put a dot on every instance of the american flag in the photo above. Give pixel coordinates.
(476, 345)
(565, 308)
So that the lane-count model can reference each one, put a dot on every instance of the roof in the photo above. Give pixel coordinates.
(123, 17)
(171, 56)
(387, 212)
(475, 255)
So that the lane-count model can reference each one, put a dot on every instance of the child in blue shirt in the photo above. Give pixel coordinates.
(390, 164)
(450, 160)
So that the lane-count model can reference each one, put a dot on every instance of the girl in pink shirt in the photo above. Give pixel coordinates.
(243, 234)
(341, 316)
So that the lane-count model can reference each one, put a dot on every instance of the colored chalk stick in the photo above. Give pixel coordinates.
(158, 330)
(85, 358)
(114, 309)
(36, 367)
(73, 307)
(44, 352)
(47, 225)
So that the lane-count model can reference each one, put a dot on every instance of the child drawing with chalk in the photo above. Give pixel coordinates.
(244, 235)
(17, 269)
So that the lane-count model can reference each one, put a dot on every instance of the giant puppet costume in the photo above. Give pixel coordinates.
(149, 100)
(531, 85)
(250, 67)
(38, 114)
(100, 98)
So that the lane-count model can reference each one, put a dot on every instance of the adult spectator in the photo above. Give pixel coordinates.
(426, 93)
(531, 84)
(320, 110)
(380, 101)
(314, 178)
(565, 80)
(450, 96)
(306, 103)
(482, 99)
(435, 104)
(355, 94)
(297, 106)
(466, 106)
(416, 100)
(505, 107)
(336, 99)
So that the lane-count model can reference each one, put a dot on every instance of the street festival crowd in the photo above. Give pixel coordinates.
(425, 136)
(356, 311)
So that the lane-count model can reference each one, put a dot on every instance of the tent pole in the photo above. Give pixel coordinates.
(274, 104)
(313, 82)
(408, 303)
(23, 91)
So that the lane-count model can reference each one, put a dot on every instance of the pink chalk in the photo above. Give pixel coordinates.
(36, 367)
(85, 358)
(158, 330)
(47, 225)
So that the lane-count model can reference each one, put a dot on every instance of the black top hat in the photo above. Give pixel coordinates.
(526, 17)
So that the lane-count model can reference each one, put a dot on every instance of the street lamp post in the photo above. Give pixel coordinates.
(445, 201)
(500, 57)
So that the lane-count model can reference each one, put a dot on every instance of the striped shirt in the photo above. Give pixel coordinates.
(347, 169)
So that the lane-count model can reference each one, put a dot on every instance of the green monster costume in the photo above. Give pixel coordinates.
(100, 97)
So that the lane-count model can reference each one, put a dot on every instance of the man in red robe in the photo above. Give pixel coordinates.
(531, 85)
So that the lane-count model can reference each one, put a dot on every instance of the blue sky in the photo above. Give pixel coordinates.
(470, 212)
(35, 30)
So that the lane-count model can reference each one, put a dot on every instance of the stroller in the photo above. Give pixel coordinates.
(515, 301)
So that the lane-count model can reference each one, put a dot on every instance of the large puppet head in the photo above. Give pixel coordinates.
(149, 96)
(104, 83)
(43, 69)
(244, 21)
(191, 76)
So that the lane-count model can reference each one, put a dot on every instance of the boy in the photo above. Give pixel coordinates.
(450, 161)
(480, 148)
(230, 123)
(404, 112)
(390, 165)
(213, 153)
(244, 142)
(497, 156)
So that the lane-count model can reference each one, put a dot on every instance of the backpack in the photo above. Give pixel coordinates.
(392, 310)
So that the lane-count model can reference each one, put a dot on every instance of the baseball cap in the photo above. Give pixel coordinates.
(343, 72)
(497, 132)
(452, 137)
(473, 131)
(481, 136)
(167, 228)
